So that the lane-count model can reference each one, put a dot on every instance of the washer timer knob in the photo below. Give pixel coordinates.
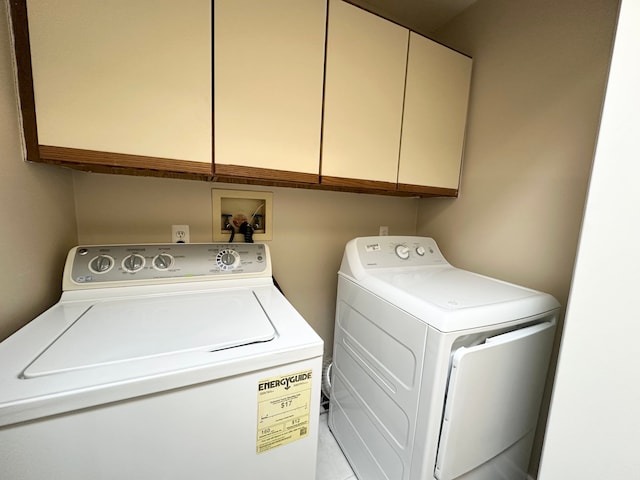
(402, 251)
(101, 263)
(133, 263)
(163, 261)
(227, 259)
(420, 251)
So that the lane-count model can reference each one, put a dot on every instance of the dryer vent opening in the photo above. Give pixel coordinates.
(326, 382)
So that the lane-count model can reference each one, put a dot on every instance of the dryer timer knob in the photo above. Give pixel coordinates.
(402, 251)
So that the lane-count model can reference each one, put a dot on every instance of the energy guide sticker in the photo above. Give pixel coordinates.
(283, 410)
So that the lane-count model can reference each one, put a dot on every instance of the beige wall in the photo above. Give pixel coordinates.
(594, 422)
(538, 82)
(310, 228)
(37, 217)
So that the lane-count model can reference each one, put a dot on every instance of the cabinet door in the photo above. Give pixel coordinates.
(435, 114)
(268, 72)
(129, 77)
(364, 90)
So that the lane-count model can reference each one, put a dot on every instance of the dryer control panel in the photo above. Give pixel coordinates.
(396, 251)
(105, 264)
(365, 254)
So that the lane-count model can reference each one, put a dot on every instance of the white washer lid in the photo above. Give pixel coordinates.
(128, 329)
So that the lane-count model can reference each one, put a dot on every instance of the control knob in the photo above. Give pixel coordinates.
(402, 251)
(163, 261)
(101, 264)
(133, 263)
(227, 259)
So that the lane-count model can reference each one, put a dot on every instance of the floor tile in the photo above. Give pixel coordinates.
(331, 462)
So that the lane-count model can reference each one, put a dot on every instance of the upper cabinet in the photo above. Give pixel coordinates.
(122, 84)
(435, 116)
(268, 85)
(364, 92)
(395, 106)
(284, 92)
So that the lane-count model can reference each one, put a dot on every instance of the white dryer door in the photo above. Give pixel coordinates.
(493, 398)
(123, 330)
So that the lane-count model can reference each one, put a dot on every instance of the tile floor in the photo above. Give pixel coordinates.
(331, 462)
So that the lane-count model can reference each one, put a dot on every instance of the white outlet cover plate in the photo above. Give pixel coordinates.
(180, 234)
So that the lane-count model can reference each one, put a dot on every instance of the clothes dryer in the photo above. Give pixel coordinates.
(162, 362)
(438, 373)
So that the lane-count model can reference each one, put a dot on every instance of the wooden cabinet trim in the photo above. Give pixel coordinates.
(20, 30)
(264, 174)
(428, 191)
(80, 157)
(357, 183)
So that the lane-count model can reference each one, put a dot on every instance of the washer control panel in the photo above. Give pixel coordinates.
(396, 251)
(101, 264)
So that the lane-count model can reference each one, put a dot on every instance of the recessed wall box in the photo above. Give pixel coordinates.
(233, 207)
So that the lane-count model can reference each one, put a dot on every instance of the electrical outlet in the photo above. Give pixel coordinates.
(384, 230)
(180, 234)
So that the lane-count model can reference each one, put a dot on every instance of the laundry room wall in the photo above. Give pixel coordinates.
(310, 228)
(594, 424)
(37, 215)
(539, 76)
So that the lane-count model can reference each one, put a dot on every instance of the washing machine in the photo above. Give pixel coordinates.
(162, 362)
(438, 373)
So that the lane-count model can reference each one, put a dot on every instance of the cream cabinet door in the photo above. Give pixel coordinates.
(127, 76)
(435, 115)
(364, 90)
(268, 75)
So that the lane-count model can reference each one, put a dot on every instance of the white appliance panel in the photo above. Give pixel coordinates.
(452, 288)
(124, 330)
(390, 342)
(206, 430)
(379, 404)
(493, 398)
(371, 454)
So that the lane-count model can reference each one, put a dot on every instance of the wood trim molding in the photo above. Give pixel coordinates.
(120, 163)
(357, 183)
(428, 191)
(239, 171)
(388, 188)
(85, 158)
(24, 74)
